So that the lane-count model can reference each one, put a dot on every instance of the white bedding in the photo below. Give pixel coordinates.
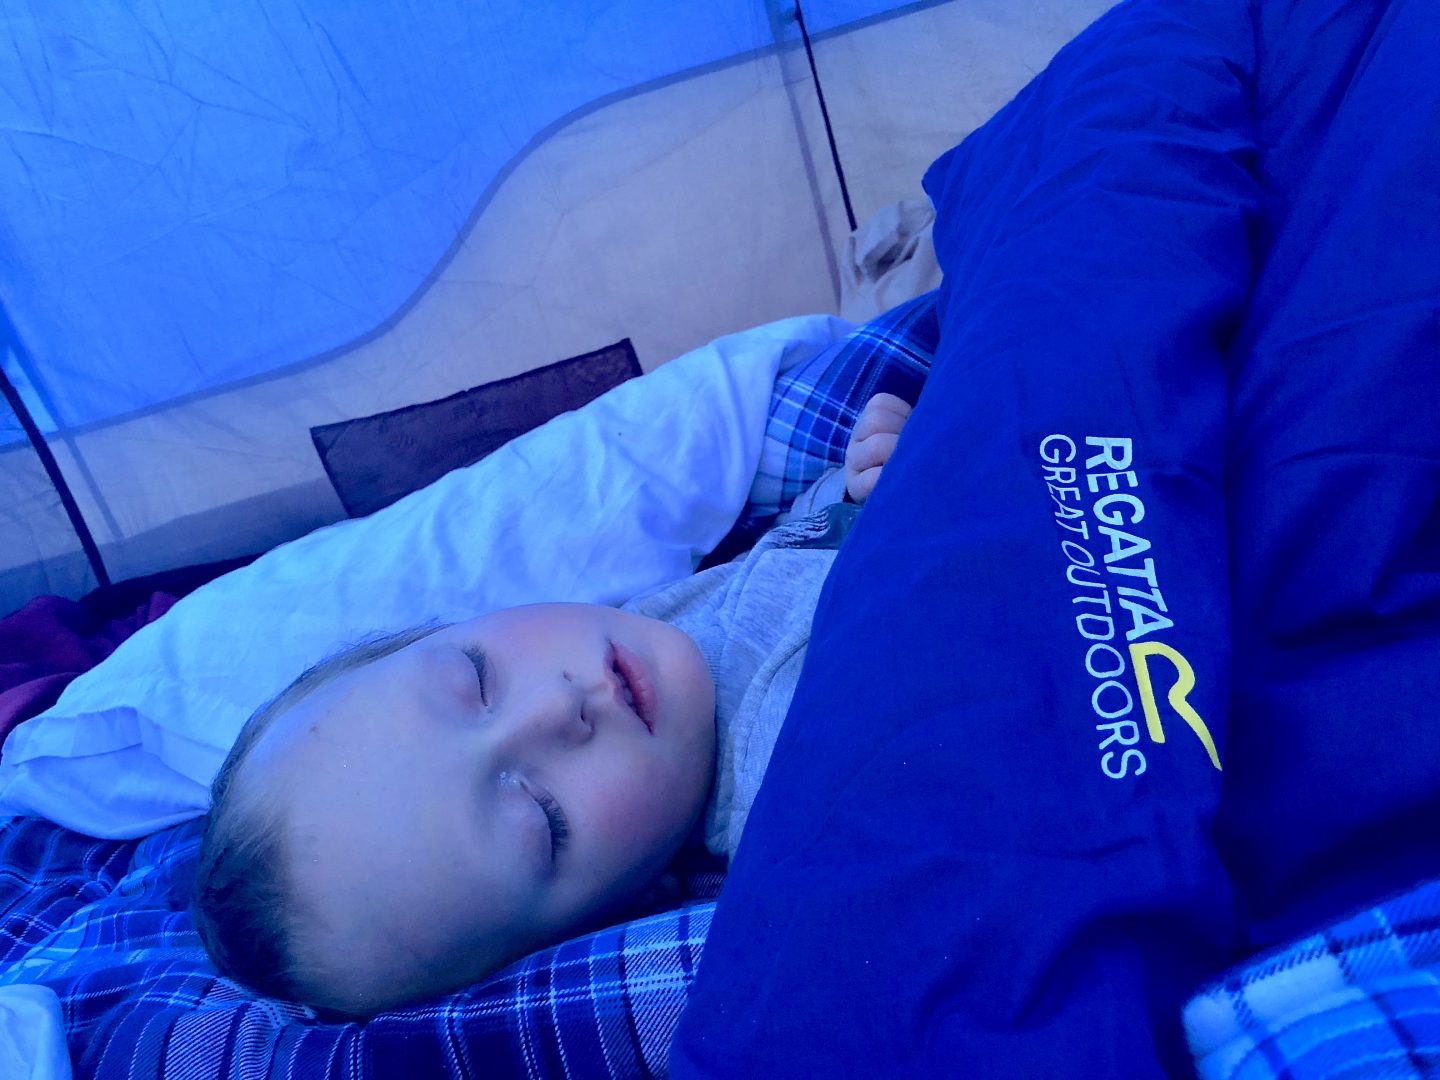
(32, 1035)
(596, 506)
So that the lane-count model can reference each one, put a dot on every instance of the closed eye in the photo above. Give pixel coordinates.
(559, 825)
(482, 670)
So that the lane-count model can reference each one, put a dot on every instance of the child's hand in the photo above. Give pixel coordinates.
(872, 442)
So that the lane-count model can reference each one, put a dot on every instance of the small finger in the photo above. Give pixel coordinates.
(889, 401)
(870, 452)
(862, 485)
(883, 412)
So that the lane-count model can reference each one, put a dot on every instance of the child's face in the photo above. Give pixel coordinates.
(415, 798)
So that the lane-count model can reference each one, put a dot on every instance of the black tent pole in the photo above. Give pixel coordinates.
(52, 469)
(825, 115)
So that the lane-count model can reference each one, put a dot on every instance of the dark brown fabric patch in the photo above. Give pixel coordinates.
(375, 460)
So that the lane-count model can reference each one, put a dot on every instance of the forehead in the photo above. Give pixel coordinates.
(292, 727)
(367, 704)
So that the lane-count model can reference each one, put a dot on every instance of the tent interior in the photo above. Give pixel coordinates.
(225, 229)
(1102, 745)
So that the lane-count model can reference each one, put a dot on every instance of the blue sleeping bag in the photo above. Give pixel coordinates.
(1130, 666)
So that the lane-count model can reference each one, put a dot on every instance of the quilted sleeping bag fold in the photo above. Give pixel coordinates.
(1043, 773)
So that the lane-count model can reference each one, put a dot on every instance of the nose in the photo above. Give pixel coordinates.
(557, 710)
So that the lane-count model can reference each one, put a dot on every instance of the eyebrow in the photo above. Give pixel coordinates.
(340, 662)
(370, 649)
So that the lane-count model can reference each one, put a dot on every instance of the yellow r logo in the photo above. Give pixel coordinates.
(1140, 656)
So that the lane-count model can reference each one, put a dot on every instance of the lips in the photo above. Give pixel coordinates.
(636, 685)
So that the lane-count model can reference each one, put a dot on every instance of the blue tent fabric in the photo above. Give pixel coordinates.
(223, 225)
(1069, 742)
(232, 190)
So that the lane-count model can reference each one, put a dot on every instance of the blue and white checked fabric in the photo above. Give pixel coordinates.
(1359, 999)
(104, 923)
(817, 403)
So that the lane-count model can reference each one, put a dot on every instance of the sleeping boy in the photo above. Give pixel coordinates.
(420, 810)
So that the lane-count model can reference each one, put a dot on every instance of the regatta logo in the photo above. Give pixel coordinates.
(1097, 509)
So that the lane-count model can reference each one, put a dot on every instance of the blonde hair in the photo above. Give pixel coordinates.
(243, 903)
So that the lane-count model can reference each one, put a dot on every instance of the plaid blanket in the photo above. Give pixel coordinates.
(104, 923)
(817, 403)
(1359, 999)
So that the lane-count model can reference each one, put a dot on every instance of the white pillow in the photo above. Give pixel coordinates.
(597, 505)
(32, 1034)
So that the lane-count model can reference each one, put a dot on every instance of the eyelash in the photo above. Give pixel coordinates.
(559, 827)
(482, 670)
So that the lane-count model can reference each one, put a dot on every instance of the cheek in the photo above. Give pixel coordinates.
(650, 806)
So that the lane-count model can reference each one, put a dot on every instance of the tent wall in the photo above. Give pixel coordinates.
(690, 207)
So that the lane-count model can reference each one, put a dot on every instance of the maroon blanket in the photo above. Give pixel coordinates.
(51, 640)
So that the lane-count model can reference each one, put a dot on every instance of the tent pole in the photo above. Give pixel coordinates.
(825, 115)
(57, 478)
